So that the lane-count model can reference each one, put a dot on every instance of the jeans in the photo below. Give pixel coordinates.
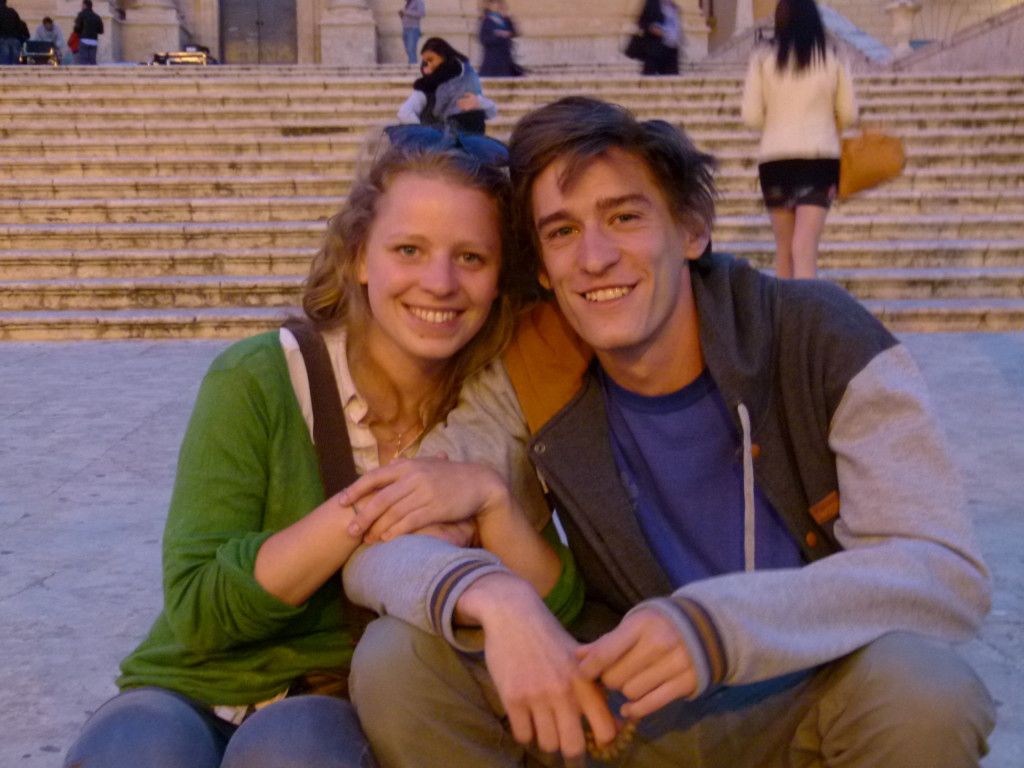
(411, 38)
(10, 50)
(86, 54)
(158, 728)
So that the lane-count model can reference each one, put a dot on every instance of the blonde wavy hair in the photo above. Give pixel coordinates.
(334, 296)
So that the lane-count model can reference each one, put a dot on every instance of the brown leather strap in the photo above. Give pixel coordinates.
(330, 436)
(333, 449)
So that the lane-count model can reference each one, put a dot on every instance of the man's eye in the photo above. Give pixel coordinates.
(626, 217)
(554, 234)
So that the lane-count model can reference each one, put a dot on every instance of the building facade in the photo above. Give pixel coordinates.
(366, 32)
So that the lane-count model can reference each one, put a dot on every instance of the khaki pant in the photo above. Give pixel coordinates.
(901, 702)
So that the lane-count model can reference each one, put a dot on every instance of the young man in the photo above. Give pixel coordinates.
(89, 27)
(770, 528)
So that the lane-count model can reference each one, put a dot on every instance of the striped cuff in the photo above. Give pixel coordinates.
(445, 595)
(700, 635)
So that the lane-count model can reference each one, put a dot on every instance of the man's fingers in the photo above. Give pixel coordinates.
(371, 482)
(521, 724)
(596, 657)
(676, 688)
(571, 740)
(546, 729)
(640, 682)
(594, 706)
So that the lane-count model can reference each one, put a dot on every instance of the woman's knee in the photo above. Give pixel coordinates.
(150, 727)
(302, 732)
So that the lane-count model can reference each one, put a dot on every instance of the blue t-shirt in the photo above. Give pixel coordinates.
(681, 462)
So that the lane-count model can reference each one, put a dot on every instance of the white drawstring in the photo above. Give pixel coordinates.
(748, 490)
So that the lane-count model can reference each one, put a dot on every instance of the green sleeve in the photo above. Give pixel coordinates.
(218, 517)
(565, 600)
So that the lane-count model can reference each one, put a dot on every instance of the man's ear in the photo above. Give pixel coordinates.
(698, 237)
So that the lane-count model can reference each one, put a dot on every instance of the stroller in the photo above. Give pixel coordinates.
(39, 52)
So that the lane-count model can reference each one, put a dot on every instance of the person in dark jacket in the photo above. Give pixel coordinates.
(497, 36)
(89, 27)
(13, 32)
(774, 540)
(660, 24)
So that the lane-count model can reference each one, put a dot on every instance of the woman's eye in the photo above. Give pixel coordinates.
(408, 250)
(471, 258)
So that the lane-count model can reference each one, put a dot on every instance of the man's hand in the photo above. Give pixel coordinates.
(533, 664)
(645, 658)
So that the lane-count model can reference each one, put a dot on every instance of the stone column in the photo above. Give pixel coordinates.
(348, 34)
(148, 27)
(744, 15)
(902, 13)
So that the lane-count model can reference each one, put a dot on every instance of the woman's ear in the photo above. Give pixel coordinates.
(361, 271)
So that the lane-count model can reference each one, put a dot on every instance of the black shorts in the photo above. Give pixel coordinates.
(789, 183)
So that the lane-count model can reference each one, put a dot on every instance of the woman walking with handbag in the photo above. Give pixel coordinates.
(797, 89)
(412, 293)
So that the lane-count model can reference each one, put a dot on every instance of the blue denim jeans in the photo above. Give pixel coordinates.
(157, 728)
(10, 50)
(411, 38)
(86, 54)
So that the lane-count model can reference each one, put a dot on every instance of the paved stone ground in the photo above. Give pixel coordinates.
(88, 437)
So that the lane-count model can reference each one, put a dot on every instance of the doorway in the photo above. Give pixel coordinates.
(258, 32)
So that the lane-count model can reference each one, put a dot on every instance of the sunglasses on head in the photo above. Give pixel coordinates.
(423, 137)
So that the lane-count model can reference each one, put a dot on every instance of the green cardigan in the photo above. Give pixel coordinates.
(246, 470)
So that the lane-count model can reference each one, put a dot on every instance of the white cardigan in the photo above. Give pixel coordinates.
(797, 112)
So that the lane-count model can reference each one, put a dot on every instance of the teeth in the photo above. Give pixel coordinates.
(607, 294)
(434, 315)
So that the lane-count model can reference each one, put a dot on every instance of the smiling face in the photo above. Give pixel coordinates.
(615, 258)
(431, 61)
(430, 267)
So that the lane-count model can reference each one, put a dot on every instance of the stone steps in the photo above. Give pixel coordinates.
(285, 207)
(308, 233)
(931, 184)
(199, 292)
(919, 143)
(297, 163)
(149, 125)
(79, 263)
(169, 203)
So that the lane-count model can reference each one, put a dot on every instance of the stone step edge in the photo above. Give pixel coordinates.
(871, 274)
(934, 315)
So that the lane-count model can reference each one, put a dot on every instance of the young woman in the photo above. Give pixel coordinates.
(412, 294)
(497, 36)
(448, 95)
(796, 90)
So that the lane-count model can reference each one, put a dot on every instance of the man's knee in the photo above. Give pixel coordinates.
(908, 695)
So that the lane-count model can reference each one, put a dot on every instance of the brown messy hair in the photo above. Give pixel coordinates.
(580, 129)
(334, 296)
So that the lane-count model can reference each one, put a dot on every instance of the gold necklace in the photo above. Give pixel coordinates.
(398, 440)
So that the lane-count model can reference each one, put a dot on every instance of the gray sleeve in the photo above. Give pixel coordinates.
(909, 563)
(488, 427)
(419, 579)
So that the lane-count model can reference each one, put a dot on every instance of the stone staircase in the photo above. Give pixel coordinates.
(168, 203)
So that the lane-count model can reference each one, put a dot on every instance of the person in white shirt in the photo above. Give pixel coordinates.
(796, 90)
